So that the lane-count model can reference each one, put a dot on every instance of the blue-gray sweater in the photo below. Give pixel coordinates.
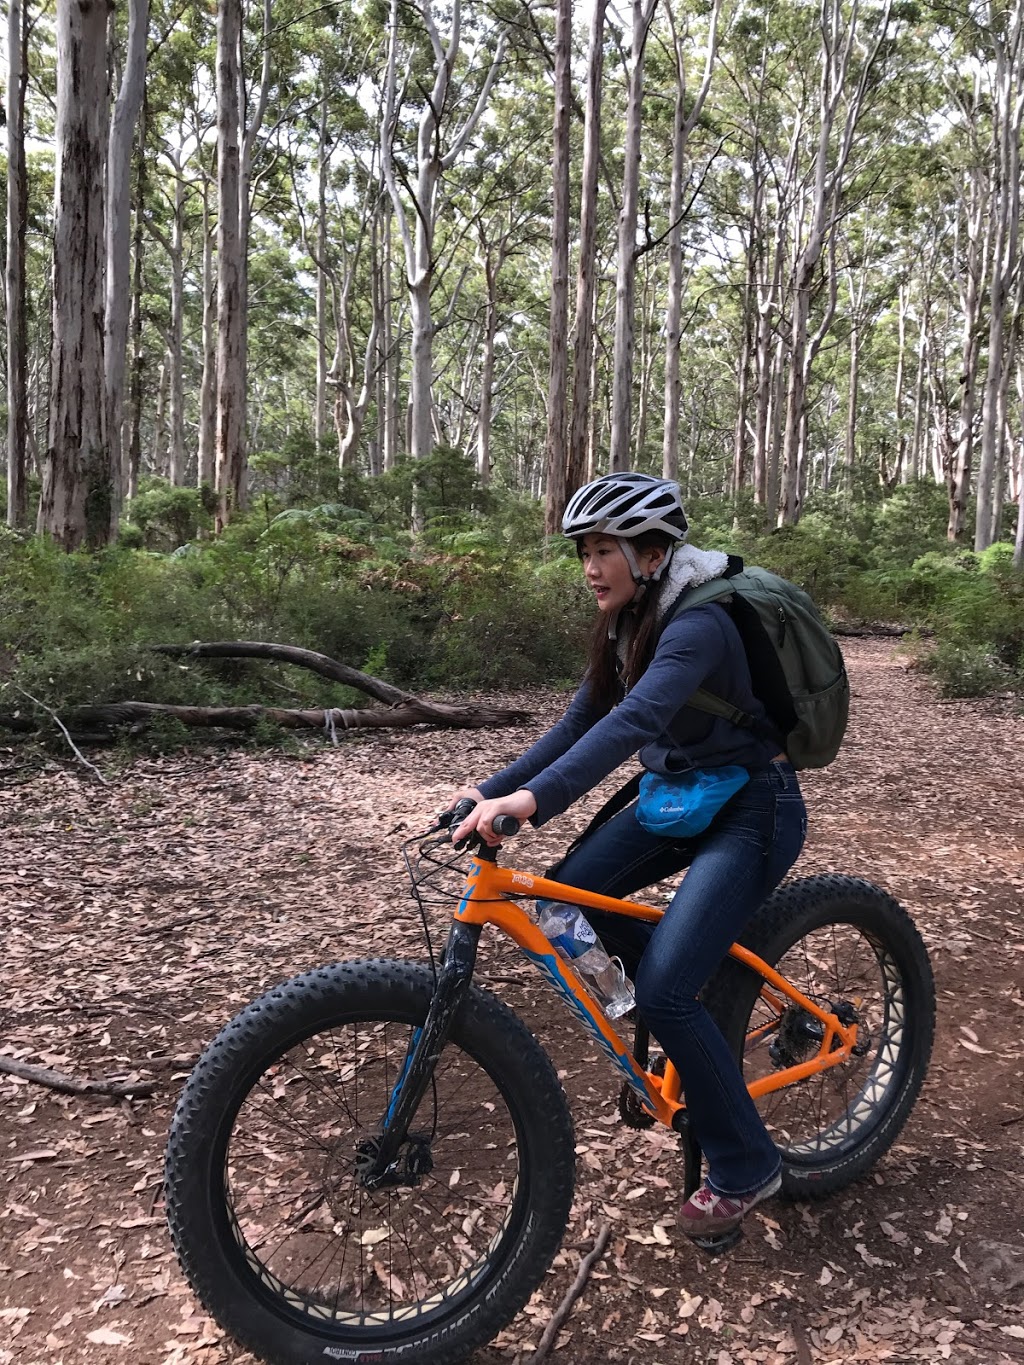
(698, 648)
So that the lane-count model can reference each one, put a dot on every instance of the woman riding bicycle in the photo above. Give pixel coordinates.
(644, 664)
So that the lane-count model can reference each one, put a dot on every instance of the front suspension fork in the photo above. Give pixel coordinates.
(425, 1048)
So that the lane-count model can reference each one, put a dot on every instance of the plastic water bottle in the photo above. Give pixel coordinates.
(575, 941)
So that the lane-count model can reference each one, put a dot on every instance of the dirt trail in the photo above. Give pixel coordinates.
(136, 918)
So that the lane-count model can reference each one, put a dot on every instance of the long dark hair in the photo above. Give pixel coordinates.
(605, 681)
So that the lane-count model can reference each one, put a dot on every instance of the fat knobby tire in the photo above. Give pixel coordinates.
(488, 1032)
(795, 910)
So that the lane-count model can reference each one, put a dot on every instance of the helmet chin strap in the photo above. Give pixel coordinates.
(642, 580)
(639, 577)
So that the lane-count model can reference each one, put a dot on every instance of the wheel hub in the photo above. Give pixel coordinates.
(413, 1162)
(799, 1034)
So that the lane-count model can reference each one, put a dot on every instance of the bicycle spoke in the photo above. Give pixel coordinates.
(292, 1163)
(828, 1110)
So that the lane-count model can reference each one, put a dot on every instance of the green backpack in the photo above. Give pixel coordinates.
(796, 666)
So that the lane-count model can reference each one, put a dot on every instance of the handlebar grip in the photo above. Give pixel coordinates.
(505, 825)
(457, 814)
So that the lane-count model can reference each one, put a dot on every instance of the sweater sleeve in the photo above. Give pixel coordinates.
(579, 717)
(691, 647)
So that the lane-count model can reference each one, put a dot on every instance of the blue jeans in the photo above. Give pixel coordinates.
(733, 866)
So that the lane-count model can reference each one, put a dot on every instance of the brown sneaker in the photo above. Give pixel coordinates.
(705, 1214)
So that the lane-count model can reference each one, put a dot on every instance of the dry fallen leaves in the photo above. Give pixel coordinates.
(139, 917)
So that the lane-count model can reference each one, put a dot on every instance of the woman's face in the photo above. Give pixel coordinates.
(607, 570)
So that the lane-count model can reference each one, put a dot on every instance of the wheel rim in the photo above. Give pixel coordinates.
(833, 1112)
(337, 1257)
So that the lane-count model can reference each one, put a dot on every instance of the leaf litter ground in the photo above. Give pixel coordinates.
(138, 917)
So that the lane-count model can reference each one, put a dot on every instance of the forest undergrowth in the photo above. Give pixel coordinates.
(477, 599)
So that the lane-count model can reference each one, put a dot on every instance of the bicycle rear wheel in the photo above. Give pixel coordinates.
(847, 945)
(278, 1237)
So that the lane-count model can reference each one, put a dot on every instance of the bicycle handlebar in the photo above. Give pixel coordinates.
(503, 825)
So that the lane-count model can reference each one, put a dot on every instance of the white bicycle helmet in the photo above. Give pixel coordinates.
(625, 505)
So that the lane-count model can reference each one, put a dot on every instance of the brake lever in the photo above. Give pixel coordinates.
(447, 819)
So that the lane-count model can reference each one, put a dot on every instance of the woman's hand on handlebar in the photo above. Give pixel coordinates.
(520, 804)
(473, 794)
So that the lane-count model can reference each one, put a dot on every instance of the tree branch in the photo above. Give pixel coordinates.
(71, 1085)
(575, 1290)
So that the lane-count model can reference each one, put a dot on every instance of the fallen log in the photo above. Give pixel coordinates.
(882, 632)
(291, 654)
(401, 709)
(330, 719)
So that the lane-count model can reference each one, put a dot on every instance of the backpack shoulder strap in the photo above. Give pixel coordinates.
(717, 590)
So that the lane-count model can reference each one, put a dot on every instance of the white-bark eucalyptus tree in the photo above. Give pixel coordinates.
(558, 355)
(684, 120)
(1005, 33)
(440, 142)
(343, 240)
(230, 430)
(118, 227)
(17, 217)
(619, 456)
(586, 267)
(971, 250)
(78, 503)
(843, 93)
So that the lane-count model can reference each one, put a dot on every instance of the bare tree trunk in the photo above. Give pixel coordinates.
(78, 504)
(17, 217)
(852, 400)
(625, 275)
(776, 415)
(1007, 110)
(375, 448)
(431, 163)
(1005, 464)
(320, 402)
(960, 473)
(390, 350)
(230, 448)
(918, 455)
(483, 456)
(118, 228)
(131, 457)
(838, 37)
(901, 352)
(1018, 544)
(586, 270)
(176, 376)
(649, 329)
(156, 455)
(768, 352)
(748, 325)
(595, 414)
(683, 124)
(558, 360)
(674, 303)
(206, 473)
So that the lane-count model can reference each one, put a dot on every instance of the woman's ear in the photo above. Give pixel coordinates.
(651, 559)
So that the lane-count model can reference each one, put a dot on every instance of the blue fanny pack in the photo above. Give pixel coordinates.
(681, 806)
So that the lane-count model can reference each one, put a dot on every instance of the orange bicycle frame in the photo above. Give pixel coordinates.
(486, 900)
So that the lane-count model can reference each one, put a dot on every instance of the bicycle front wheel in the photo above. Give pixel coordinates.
(851, 948)
(280, 1240)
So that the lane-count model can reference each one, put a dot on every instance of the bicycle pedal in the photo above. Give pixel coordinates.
(715, 1246)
